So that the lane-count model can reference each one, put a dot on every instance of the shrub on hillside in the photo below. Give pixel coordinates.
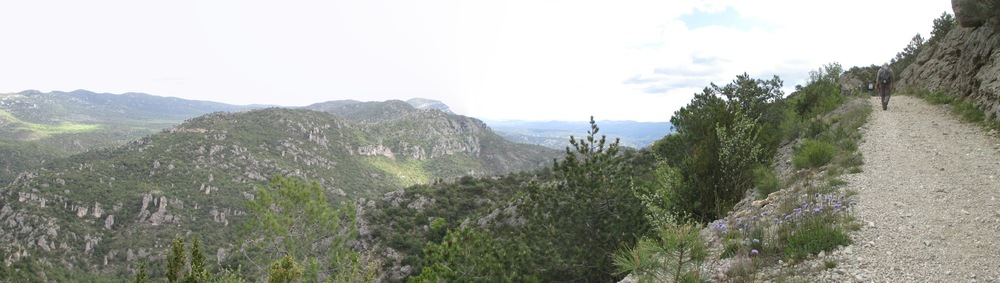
(766, 181)
(813, 154)
(722, 134)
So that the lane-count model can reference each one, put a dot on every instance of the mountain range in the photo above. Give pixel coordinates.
(36, 127)
(96, 201)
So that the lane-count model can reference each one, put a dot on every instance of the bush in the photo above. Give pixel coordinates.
(766, 181)
(815, 225)
(816, 98)
(934, 97)
(722, 134)
(968, 111)
(675, 255)
(815, 128)
(813, 154)
(805, 228)
(813, 236)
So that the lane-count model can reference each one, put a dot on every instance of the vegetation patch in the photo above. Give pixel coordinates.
(815, 226)
(813, 154)
(44, 130)
(961, 108)
(766, 181)
(409, 172)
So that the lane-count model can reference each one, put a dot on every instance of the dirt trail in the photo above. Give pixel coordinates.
(929, 198)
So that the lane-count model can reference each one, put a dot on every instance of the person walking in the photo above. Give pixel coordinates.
(884, 84)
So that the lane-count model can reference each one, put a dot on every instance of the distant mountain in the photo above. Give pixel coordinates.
(365, 111)
(378, 109)
(555, 134)
(103, 211)
(551, 134)
(36, 126)
(423, 103)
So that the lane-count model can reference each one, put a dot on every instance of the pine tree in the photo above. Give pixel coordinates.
(198, 273)
(284, 270)
(294, 217)
(141, 276)
(176, 261)
(589, 214)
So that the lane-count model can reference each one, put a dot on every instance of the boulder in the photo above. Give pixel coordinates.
(964, 15)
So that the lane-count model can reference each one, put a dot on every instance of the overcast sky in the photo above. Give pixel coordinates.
(528, 60)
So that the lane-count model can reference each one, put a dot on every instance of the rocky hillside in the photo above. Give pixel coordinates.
(423, 103)
(101, 211)
(36, 126)
(966, 63)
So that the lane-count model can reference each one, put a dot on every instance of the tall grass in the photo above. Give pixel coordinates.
(965, 110)
(813, 154)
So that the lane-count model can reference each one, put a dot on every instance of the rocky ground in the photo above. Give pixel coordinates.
(928, 199)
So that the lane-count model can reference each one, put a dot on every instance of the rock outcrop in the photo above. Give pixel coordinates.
(965, 18)
(965, 63)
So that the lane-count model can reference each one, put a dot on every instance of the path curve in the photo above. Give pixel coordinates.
(929, 198)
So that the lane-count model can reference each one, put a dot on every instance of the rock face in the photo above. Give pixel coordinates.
(965, 18)
(966, 64)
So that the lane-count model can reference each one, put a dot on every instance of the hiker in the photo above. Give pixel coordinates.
(884, 84)
(871, 88)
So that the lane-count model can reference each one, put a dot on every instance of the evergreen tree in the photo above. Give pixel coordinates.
(176, 261)
(284, 270)
(587, 215)
(907, 56)
(141, 277)
(293, 217)
(198, 273)
(942, 25)
(469, 255)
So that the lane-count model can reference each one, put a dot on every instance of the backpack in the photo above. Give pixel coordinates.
(885, 76)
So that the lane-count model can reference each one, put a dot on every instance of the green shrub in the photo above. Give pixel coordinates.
(815, 128)
(792, 126)
(813, 154)
(677, 253)
(815, 225)
(722, 134)
(814, 237)
(816, 99)
(935, 98)
(968, 111)
(852, 161)
(939, 98)
(766, 181)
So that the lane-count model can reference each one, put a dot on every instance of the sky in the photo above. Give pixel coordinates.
(499, 60)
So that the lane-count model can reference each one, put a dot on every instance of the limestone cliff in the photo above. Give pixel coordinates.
(966, 63)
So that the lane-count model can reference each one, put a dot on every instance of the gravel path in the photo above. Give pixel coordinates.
(929, 198)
